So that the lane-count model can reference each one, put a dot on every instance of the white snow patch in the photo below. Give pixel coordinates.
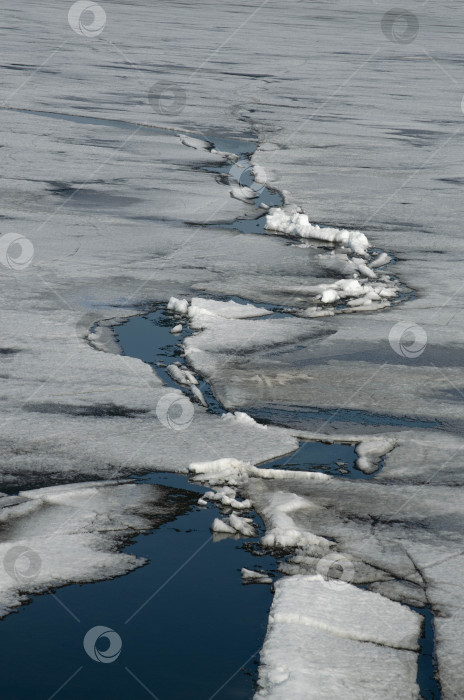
(227, 470)
(263, 473)
(227, 496)
(329, 296)
(203, 312)
(241, 418)
(370, 451)
(259, 174)
(180, 306)
(297, 224)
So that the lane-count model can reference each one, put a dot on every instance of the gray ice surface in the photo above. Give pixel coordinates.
(361, 131)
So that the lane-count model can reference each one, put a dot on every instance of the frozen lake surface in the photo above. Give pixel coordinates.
(304, 158)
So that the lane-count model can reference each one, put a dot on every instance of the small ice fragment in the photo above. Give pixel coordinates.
(242, 525)
(221, 526)
(180, 306)
(259, 174)
(329, 296)
(198, 395)
(366, 271)
(381, 260)
(198, 144)
(249, 576)
(177, 329)
(178, 375)
(243, 419)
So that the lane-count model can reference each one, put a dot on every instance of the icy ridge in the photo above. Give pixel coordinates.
(364, 290)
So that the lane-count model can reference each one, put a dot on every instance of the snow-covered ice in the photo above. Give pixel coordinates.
(365, 139)
(71, 534)
(371, 643)
(297, 224)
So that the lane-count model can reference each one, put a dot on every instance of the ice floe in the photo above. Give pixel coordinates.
(64, 534)
(370, 640)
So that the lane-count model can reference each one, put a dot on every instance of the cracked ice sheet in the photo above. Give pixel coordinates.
(325, 642)
(332, 369)
(402, 536)
(224, 349)
(290, 153)
(73, 533)
(318, 118)
(73, 410)
(257, 365)
(61, 393)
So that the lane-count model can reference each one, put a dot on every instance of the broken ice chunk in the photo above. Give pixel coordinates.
(249, 576)
(180, 306)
